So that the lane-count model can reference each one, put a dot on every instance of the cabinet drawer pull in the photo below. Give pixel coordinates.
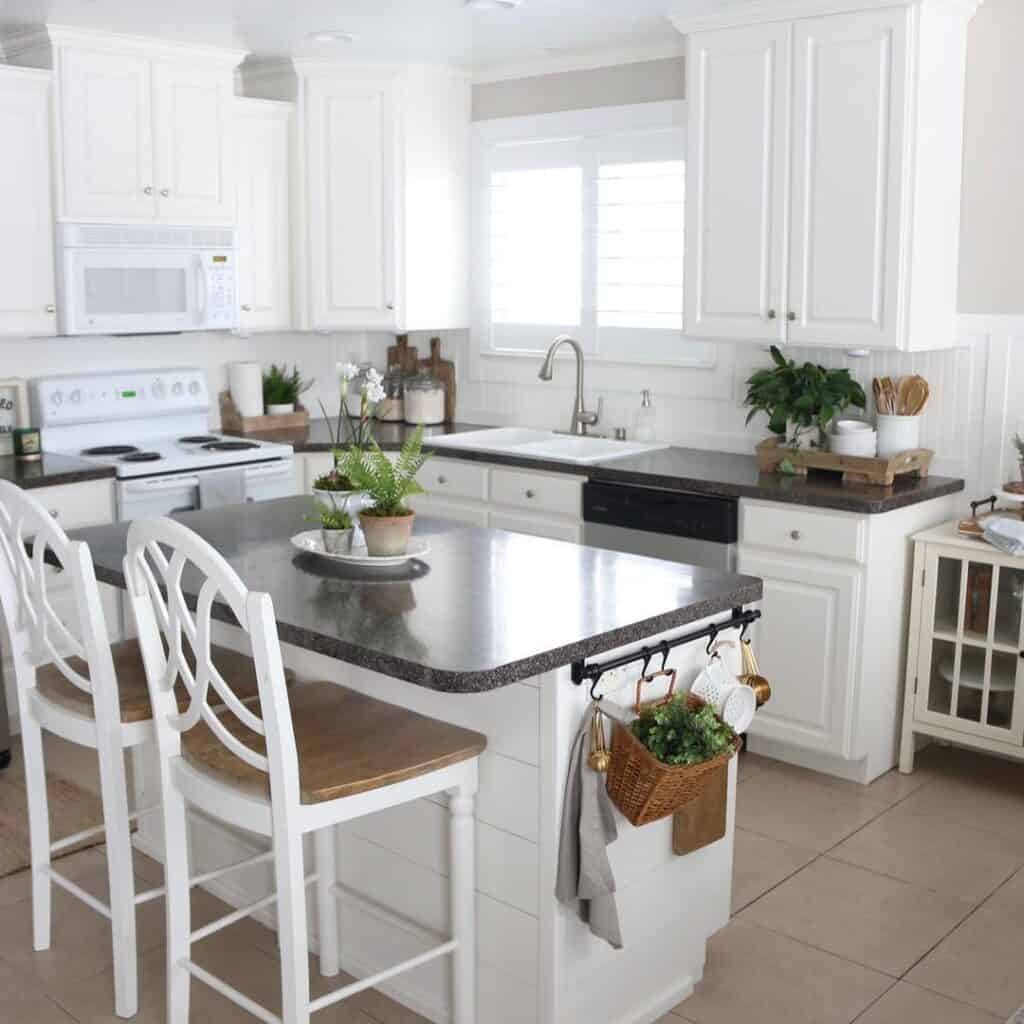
(791, 316)
(794, 534)
(246, 308)
(51, 308)
(148, 190)
(442, 480)
(165, 192)
(530, 493)
(771, 314)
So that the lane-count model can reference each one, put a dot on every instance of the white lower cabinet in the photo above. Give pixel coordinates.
(537, 526)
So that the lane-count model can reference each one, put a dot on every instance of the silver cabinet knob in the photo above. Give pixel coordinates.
(771, 314)
(148, 190)
(51, 308)
(791, 316)
(165, 192)
(794, 534)
(389, 305)
(442, 480)
(531, 494)
(246, 308)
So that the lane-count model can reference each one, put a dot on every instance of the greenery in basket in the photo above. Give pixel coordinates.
(676, 735)
(387, 484)
(335, 480)
(330, 518)
(1018, 443)
(281, 387)
(806, 397)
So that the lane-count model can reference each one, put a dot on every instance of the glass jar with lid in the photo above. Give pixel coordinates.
(391, 408)
(424, 400)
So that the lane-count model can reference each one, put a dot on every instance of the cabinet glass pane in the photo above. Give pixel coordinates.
(940, 687)
(1002, 689)
(1009, 602)
(972, 683)
(978, 600)
(947, 595)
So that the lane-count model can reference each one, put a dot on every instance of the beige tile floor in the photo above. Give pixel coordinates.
(900, 903)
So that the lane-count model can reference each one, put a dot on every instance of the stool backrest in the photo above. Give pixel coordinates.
(175, 581)
(37, 561)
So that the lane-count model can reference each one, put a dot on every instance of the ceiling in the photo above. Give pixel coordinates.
(442, 31)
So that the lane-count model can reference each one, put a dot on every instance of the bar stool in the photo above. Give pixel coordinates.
(72, 682)
(313, 757)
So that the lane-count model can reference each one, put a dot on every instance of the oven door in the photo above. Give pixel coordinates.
(132, 291)
(165, 495)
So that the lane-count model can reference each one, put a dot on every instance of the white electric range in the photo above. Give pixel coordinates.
(151, 425)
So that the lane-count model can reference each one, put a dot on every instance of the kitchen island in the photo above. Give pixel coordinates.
(482, 632)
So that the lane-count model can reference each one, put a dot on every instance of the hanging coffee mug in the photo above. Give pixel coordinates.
(733, 702)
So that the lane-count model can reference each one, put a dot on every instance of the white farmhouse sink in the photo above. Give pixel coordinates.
(542, 445)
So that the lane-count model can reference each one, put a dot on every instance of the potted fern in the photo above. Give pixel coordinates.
(387, 523)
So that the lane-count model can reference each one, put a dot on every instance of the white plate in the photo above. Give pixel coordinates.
(312, 543)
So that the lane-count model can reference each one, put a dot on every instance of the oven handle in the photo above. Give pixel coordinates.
(200, 290)
(283, 468)
(158, 486)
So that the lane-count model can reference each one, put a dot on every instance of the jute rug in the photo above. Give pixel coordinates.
(72, 809)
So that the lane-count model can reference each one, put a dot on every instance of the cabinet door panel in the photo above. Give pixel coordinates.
(193, 109)
(537, 526)
(261, 167)
(848, 125)
(806, 645)
(107, 122)
(352, 203)
(736, 188)
(457, 511)
(26, 240)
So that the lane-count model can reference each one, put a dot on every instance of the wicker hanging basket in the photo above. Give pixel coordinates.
(642, 787)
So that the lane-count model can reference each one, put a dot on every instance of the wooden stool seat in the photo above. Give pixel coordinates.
(237, 669)
(347, 743)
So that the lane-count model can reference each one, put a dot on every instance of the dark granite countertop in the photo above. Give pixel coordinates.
(725, 474)
(51, 470)
(483, 609)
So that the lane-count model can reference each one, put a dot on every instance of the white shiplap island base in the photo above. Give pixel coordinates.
(482, 634)
(537, 963)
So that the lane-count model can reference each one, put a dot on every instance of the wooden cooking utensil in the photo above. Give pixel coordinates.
(903, 396)
(917, 396)
(890, 395)
(443, 371)
(403, 355)
(876, 388)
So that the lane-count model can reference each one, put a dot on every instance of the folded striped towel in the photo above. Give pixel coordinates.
(1006, 534)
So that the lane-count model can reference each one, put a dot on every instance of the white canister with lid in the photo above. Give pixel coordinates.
(898, 434)
(424, 401)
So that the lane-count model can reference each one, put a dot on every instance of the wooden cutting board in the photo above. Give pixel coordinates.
(442, 370)
(403, 355)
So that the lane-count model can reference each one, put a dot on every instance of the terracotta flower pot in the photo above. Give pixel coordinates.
(387, 535)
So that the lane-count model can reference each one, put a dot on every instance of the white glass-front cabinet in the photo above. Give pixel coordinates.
(824, 159)
(965, 674)
(26, 222)
(262, 133)
(143, 126)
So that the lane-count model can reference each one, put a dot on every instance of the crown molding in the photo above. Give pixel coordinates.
(755, 12)
(581, 60)
(37, 39)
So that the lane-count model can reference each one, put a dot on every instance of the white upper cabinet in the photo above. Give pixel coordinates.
(825, 172)
(262, 135)
(736, 183)
(26, 219)
(143, 129)
(381, 205)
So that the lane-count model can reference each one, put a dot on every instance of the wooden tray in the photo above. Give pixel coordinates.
(880, 471)
(233, 423)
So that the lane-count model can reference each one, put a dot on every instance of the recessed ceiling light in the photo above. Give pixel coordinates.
(493, 5)
(331, 35)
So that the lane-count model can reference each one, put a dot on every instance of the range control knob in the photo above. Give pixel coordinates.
(76, 396)
(57, 398)
(159, 389)
(177, 388)
(193, 387)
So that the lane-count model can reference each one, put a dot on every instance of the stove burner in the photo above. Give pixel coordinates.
(137, 456)
(111, 449)
(230, 446)
(197, 439)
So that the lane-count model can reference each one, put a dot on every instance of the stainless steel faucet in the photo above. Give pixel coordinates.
(581, 419)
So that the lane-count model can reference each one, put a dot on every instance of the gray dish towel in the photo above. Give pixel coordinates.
(588, 825)
(226, 487)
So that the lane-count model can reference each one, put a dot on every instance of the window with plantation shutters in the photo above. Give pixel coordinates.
(579, 227)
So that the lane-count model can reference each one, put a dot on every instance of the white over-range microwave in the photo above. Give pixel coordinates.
(146, 279)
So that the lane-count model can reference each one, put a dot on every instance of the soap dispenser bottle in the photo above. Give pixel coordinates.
(643, 425)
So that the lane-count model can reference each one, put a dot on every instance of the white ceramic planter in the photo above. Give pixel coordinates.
(352, 502)
(898, 434)
(281, 409)
(337, 542)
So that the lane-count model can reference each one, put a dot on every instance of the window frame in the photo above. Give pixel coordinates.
(588, 135)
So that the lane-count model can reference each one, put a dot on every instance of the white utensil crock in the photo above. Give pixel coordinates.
(245, 382)
(898, 434)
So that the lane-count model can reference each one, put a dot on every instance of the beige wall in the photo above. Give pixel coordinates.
(992, 232)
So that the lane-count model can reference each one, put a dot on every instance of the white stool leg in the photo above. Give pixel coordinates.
(291, 927)
(463, 905)
(178, 905)
(120, 870)
(325, 841)
(39, 831)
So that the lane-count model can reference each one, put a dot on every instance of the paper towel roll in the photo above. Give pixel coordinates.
(245, 382)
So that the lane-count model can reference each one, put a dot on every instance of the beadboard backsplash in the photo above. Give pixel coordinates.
(976, 404)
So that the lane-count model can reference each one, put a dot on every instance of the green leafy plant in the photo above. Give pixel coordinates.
(807, 396)
(330, 518)
(387, 484)
(676, 735)
(335, 480)
(1018, 443)
(281, 387)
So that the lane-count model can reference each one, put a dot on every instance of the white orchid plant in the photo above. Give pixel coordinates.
(359, 434)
